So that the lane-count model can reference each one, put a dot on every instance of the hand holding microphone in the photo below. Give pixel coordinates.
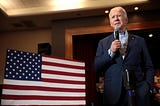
(116, 44)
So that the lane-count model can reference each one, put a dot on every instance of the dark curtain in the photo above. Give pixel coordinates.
(84, 49)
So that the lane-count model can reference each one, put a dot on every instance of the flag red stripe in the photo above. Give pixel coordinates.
(62, 73)
(62, 81)
(33, 97)
(18, 87)
(62, 65)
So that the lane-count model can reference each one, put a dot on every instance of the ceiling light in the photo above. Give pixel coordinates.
(150, 35)
(107, 11)
(136, 8)
(67, 4)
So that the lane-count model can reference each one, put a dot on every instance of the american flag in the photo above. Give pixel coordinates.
(37, 80)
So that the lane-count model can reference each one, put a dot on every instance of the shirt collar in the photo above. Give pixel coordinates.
(123, 34)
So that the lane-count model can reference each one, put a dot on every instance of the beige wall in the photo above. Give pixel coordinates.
(24, 41)
(59, 28)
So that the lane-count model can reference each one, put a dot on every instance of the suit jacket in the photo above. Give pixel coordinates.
(137, 59)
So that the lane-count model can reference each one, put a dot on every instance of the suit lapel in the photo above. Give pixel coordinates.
(131, 39)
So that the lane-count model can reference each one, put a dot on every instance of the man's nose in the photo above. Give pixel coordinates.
(116, 18)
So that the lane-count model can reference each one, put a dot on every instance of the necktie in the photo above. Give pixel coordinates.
(124, 42)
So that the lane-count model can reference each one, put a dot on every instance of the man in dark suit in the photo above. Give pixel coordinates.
(116, 54)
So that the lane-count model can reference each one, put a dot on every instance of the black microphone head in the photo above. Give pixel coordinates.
(116, 32)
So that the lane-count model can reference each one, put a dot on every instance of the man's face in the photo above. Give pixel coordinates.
(118, 18)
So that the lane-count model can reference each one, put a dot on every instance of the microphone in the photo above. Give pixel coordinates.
(116, 33)
(116, 36)
(129, 79)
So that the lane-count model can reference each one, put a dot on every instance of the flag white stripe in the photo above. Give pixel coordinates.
(44, 102)
(68, 62)
(62, 69)
(43, 93)
(43, 84)
(63, 77)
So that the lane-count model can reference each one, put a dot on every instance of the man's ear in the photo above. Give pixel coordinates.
(126, 20)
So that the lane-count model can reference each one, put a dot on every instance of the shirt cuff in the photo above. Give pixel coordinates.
(111, 53)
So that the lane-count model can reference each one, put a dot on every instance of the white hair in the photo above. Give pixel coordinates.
(119, 8)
